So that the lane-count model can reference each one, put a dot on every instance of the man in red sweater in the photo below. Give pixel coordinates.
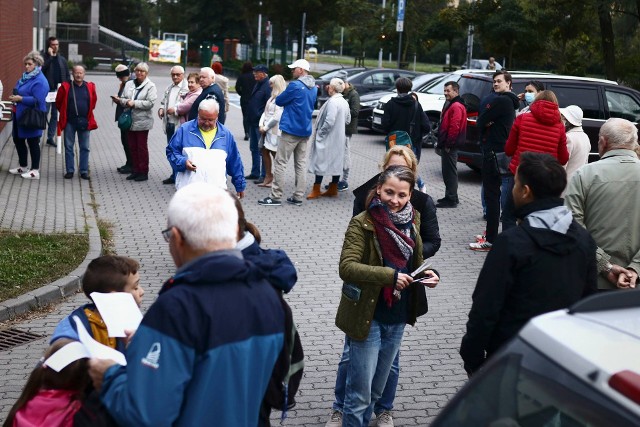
(452, 133)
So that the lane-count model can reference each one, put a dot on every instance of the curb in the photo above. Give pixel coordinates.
(61, 288)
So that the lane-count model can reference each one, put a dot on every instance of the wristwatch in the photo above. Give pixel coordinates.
(608, 268)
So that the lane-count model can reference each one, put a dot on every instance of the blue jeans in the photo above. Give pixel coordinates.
(52, 130)
(171, 130)
(83, 142)
(370, 362)
(256, 156)
(385, 403)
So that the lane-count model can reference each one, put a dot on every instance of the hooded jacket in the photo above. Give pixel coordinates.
(453, 126)
(398, 114)
(539, 131)
(546, 263)
(298, 100)
(274, 263)
(204, 351)
(496, 118)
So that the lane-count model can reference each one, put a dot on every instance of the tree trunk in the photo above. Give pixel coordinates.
(606, 34)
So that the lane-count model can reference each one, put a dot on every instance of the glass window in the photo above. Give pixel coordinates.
(437, 86)
(584, 96)
(623, 105)
(368, 80)
(523, 388)
(383, 79)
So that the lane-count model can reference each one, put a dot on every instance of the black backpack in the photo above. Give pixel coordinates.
(287, 372)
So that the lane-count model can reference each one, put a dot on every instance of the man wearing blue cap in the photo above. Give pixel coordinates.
(259, 97)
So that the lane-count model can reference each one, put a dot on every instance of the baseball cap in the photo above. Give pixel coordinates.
(301, 63)
(261, 67)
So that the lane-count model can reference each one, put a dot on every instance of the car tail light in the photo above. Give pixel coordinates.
(626, 383)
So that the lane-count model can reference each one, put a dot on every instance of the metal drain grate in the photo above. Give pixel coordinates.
(12, 337)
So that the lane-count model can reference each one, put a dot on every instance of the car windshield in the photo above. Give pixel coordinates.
(422, 79)
(524, 388)
(436, 87)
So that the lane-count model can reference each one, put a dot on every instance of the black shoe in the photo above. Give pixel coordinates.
(141, 177)
(169, 180)
(132, 176)
(444, 199)
(68, 175)
(251, 177)
(85, 176)
(259, 180)
(446, 204)
(294, 201)
(126, 169)
(51, 142)
(246, 137)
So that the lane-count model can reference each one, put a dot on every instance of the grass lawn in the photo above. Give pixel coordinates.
(30, 260)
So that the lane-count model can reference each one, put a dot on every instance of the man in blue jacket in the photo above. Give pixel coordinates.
(205, 350)
(193, 145)
(298, 101)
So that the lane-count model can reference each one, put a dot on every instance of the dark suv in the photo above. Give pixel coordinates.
(599, 100)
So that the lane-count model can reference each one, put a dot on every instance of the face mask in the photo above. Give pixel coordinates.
(529, 97)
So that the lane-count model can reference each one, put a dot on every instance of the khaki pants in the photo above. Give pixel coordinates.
(287, 145)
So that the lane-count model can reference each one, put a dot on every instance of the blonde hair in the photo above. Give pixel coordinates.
(406, 153)
(278, 85)
(34, 56)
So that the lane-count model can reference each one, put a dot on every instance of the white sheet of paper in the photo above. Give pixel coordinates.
(66, 355)
(97, 349)
(119, 311)
(51, 96)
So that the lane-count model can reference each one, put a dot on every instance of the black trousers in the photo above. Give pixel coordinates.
(449, 163)
(491, 184)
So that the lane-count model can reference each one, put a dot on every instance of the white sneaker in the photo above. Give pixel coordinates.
(335, 420)
(32, 174)
(19, 170)
(384, 419)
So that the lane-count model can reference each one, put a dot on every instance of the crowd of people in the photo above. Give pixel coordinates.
(534, 153)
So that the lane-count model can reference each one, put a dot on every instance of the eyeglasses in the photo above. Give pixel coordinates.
(176, 74)
(167, 234)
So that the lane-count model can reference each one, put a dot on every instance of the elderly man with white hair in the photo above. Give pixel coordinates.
(327, 150)
(204, 150)
(210, 90)
(167, 111)
(213, 334)
(604, 197)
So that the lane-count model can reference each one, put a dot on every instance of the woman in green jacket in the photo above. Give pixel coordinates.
(381, 248)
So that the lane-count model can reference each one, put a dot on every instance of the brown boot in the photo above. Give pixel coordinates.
(332, 191)
(315, 192)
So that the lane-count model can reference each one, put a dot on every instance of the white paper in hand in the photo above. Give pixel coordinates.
(119, 312)
(66, 355)
(95, 349)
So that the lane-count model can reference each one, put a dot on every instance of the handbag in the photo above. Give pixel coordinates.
(126, 119)
(33, 118)
(82, 123)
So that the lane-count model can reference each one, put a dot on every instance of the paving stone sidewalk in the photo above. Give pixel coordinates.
(312, 235)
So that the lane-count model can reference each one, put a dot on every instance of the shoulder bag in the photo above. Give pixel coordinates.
(126, 120)
(33, 118)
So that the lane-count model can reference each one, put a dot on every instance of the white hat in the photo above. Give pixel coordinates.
(301, 63)
(573, 114)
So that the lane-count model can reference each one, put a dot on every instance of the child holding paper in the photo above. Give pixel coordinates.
(58, 391)
(105, 274)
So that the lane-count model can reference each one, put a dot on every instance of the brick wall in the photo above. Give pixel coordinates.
(16, 40)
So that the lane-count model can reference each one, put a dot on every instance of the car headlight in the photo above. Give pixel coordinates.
(369, 103)
(380, 106)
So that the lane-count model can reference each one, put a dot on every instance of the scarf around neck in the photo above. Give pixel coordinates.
(28, 76)
(393, 230)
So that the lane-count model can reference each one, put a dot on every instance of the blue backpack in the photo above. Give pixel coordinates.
(398, 137)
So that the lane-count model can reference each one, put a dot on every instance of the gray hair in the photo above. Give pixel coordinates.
(620, 133)
(209, 104)
(34, 56)
(209, 71)
(205, 215)
(178, 69)
(142, 66)
(337, 84)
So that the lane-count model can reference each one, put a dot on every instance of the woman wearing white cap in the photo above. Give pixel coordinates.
(578, 143)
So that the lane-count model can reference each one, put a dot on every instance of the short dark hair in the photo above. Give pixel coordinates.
(453, 84)
(505, 74)
(542, 172)
(108, 273)
(537, 84)
(51, 39)
(403, 85)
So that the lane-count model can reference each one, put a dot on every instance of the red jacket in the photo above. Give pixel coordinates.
(62, 98)
(539, 131)
(453, 126)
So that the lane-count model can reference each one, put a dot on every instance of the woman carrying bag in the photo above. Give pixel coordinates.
(382, 247)
(29, 97)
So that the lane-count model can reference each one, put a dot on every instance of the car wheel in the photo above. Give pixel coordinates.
(430, 139)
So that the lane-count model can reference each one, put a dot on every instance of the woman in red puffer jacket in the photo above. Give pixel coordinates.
(540, 130)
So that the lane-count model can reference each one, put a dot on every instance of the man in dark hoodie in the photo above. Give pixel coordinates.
(451, 134)
(546, 263)
(56, 70)
(495, 121)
